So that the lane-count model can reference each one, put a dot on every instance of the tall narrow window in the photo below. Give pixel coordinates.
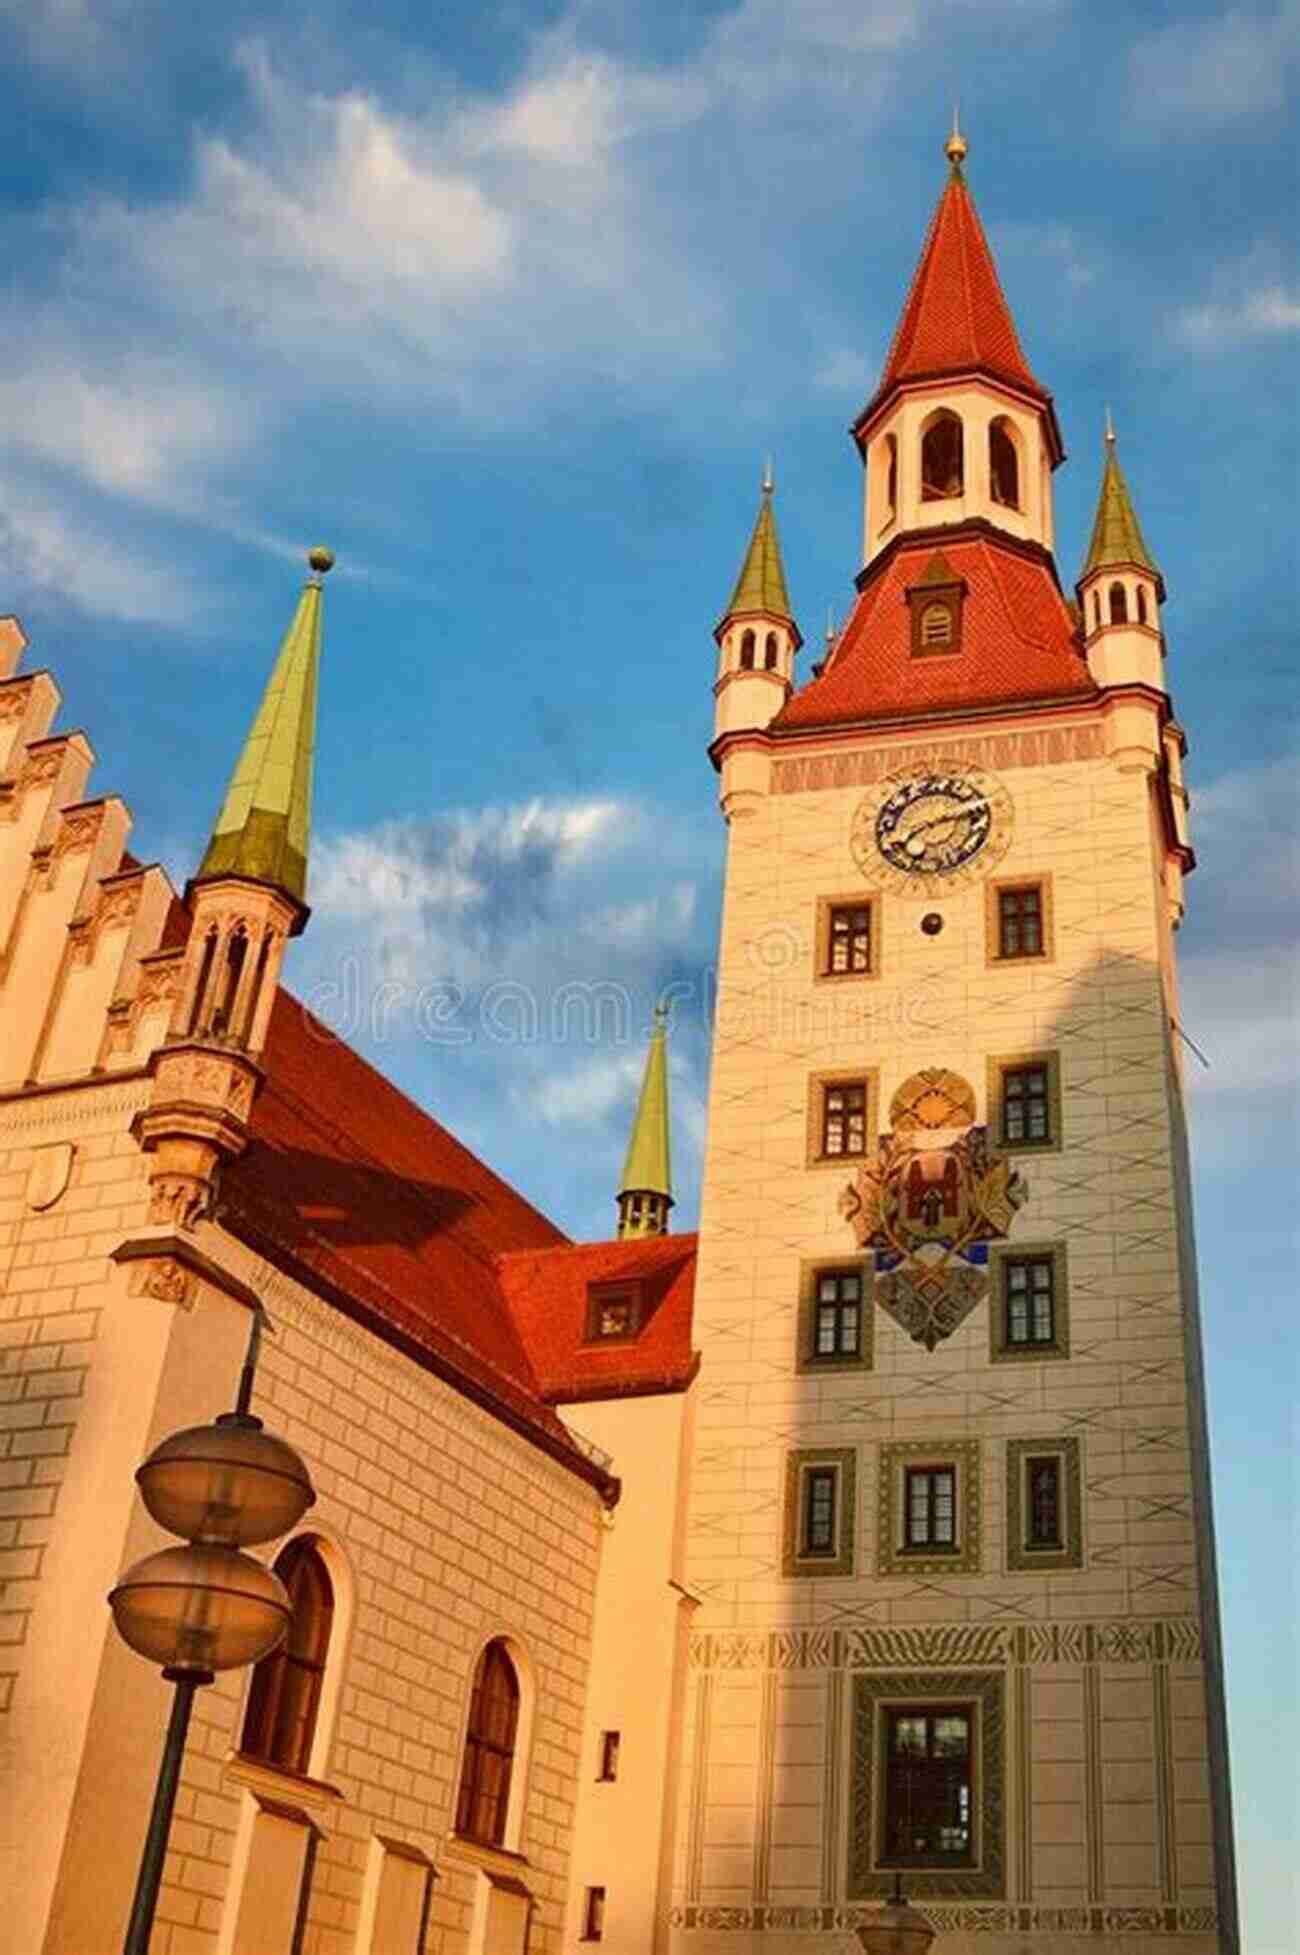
(819, 1491)
(844, 1118)
(609, 1745)
(770, 652)
(1044, 1506)
(284, 1697)
(1026, 1104)
(1118, 605)
(848, 939)
(931, 1507)
(1004, 466)
(593, 1915)
(891, 478)
(928, 1792)
(489, 1749)
(941, 459)
(747, 652)
(205, 977)
(1020, 921)
(1030, 1300)
(837, 1314)
(236, 952)
(1142, 604)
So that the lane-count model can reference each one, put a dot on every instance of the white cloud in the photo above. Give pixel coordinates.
(1212, 69)
(1261, 314)
(46, 552)
(1057, 249)
(1243, 1012)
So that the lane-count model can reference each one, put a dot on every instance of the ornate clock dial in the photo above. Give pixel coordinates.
(925, 829)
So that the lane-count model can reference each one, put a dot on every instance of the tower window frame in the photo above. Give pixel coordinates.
(846, 939)
(841, 1107)
(1004, 1260)
(1011, 935)
(930, 1519)
(826, 1286)
(897, 1551)
(1024, 1101)
(820, 1512)
(1028, 1546)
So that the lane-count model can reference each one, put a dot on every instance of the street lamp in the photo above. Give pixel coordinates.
(207, 1606)
(897, 1928)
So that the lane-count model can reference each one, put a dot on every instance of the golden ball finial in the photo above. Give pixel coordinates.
(956, 146)
(321, 560)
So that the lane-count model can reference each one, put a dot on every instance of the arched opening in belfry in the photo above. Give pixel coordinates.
(1142, 605)
(747, 652)
(891, 477)
(236, 952)
(770, 652)
(1004, 465)
(1118, 604)
(201, 988)
(941, 458)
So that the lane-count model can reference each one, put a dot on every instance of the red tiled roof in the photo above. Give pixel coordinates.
(546, 1291)
(956, 316)
(1017, 641)
(378, 1206)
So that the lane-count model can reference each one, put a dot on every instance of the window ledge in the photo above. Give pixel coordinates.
(274, 1782)
(492, 1859)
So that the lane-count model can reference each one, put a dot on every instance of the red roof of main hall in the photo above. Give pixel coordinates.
(1018, 640)
(956, 318)
(371, 1202)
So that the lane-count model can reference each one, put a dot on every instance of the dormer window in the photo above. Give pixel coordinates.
(1004, 466)
(941, 459)
(936, 606)
(614, 1311)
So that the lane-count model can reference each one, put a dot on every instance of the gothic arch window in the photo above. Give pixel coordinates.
(205, 975)
(1142, 605)
(941, 458)
(236, 952)
(1004, 465)
(1118, 604)
(747, 652)
(284, 1696)
(769, 652)
(490, 1739)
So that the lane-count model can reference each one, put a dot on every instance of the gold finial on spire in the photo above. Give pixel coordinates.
(320, 561)
(1110, 428)
(956, 146)
(769, 480)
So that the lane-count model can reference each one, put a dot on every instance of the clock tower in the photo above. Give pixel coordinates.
(949, 1532)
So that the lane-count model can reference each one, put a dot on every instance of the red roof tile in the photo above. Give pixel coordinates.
(1017, 641)
(547, 1291)
(372, 1201)
(956, 316)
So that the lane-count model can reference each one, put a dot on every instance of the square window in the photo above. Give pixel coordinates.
(1044, 1504)
(609, 1746)
(841, 1108)
(928, 1507)
(846, 938)
(1025, 1101)
(819, 1512)
(593, 1915)
(834, 1322)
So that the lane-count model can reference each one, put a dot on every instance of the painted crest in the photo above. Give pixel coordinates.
(48, 1174)
(928, 1205)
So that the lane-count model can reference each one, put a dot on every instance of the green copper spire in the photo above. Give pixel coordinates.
(646, 1194)
(261, 833)
(761, 583)
(1116, 535)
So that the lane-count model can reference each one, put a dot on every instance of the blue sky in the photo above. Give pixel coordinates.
(507, 304)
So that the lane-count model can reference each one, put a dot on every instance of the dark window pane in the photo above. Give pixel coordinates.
(1044, 1503)
(489, 1749)
(928, 1793)
(1025, 1104)
(1030, 1301)
(284, 1697)
(819, 1510)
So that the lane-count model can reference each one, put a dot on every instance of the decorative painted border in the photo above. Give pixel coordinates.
(895, 1455)
(1174, 1639)
(984, 1690)
(956, 1920)
(1020, 1556)
(864, 766)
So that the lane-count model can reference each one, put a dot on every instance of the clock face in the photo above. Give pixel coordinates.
(925, 830)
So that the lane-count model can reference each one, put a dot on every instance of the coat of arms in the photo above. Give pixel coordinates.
(929, 1204)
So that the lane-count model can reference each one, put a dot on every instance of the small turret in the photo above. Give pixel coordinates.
(646, 1192)
(757, 635)
(247, 899)
(1120, 589)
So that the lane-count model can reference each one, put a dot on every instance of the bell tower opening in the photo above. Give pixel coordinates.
(942, 460)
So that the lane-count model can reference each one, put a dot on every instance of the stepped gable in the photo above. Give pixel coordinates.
(548, 1293)
(1018, 642)
(349, 1186)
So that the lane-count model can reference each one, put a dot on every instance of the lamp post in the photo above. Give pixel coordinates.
(897, 1928)
(206, 1606)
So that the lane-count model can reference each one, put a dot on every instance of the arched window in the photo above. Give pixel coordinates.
(489, 1749)
(1118, 605)
(941, 459)
(284, 1697)
(769, 652)
(1142, 604)
(747, 652)
(236, 952)
(936, 625)
(205, 974)
(891, 476)
(1004, 466)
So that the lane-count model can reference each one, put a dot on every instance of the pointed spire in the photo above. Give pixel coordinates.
(956, 318)
(760, 586)
(646, 1193)
(1116, 533)
(262, 830)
